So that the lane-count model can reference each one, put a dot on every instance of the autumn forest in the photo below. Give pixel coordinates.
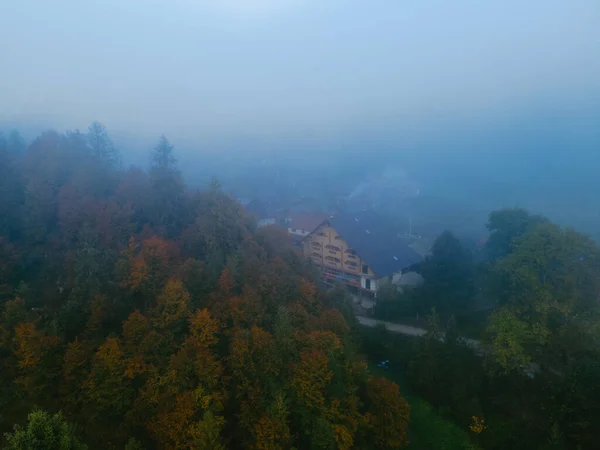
(139, 313)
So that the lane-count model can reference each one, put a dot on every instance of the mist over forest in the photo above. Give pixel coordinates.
(297, 224)
(539, 158)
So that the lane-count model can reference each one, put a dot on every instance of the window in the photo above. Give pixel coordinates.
(365, 268)
(333, 260)
(333, 248)
(315, 255)
(352, 264)
(350, 256)
(368, 284)
(320, 233)
(316, 245)
(338, 238)
(351, 252)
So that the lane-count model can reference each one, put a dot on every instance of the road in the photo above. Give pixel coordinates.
(409, 330)
(393, 327)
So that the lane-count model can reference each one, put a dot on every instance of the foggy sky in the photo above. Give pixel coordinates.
(195, 68)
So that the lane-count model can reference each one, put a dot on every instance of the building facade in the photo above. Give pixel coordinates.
(301, 224)
(360, 251)
(338, 261)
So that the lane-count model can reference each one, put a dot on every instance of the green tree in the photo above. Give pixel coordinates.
(12, 187)
(44, 431)
(548, 326)
(101, 145)
(167, 189)
(550, 309)
(449, 278)
(134, 444)
(506, 225)
(15, 144)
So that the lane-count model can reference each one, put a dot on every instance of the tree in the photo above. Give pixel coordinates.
(10, 263)
(388, 414)
(206, 434)
(548, 326)
(230, 345)
(102, 146)
(38, 362)
(107, 388)
(44, 431)
(172, 308)
(449, 278)
(75, 369)
(146, 267)
(15, 144)
(168, 189)
(255, 367)
(12, 187)
(163, 157)
(550, 310)
(505, 226)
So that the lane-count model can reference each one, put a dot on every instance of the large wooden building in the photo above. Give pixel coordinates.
(360, 250)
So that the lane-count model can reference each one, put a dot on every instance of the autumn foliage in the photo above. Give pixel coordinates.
(157, 317)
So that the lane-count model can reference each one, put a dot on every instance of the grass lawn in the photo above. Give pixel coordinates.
(427, 429)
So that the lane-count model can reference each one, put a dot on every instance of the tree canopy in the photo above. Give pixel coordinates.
(154, 316)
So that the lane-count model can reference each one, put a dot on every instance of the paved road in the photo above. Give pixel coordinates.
(393, 327)
(408, 330)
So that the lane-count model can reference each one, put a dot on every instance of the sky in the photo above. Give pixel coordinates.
(198, 68)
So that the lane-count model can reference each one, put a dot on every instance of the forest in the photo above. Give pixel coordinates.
(511, 351)
(138, 313)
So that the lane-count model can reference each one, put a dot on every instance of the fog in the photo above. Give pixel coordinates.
(475, 105)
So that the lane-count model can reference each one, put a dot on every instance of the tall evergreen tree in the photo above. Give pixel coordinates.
(101, 145)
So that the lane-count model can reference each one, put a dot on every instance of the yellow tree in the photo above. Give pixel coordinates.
(310, 377)
(140, 344)
(37, 360)
(146, 266)
(185, 399)
(75, 369)
(172, 308)
(272, 431)
(108, 389)
(388, 413)
(255, 367)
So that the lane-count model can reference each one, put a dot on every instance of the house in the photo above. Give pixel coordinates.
(361, 250)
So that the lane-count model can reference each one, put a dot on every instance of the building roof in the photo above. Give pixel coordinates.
(306, 220)
(376, 242)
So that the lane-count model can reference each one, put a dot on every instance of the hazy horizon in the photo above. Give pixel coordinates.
(277, 70)
(484, 105)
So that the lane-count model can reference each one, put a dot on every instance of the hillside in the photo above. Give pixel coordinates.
(154, 316)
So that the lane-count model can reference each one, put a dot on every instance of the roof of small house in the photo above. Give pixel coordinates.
(376, 241)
